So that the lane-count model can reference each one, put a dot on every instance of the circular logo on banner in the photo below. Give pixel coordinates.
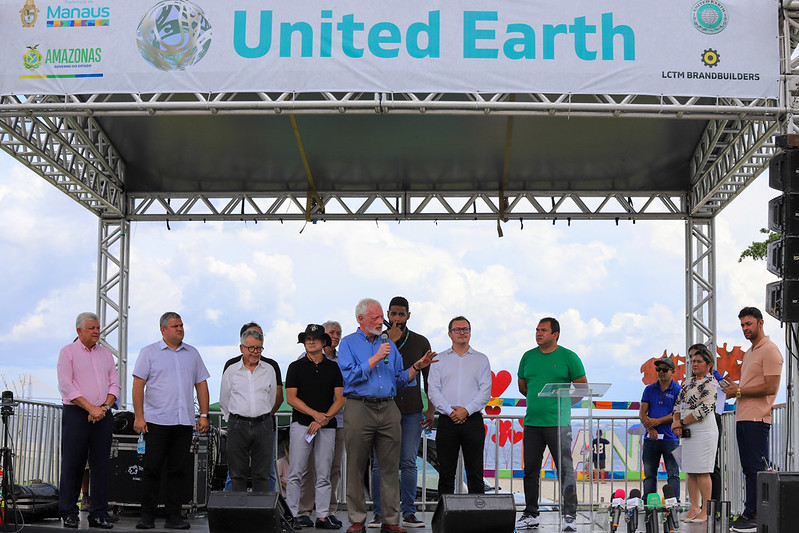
(173, 35)
(32, 59)
(709, 16)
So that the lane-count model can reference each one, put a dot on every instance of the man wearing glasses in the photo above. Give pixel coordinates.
(248, 391)
(460, 387)
(657, 406)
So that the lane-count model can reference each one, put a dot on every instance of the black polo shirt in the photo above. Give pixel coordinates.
(315, 384)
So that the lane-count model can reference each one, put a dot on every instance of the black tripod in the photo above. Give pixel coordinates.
(9, 505)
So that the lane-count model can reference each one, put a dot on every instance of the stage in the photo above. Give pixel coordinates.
(199, 524)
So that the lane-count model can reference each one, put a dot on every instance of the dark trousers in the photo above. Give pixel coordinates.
(249, 452)
(753, 449)
(82, 440)
(715, 476)
(452, 437)
(166, 454)
(536, 439)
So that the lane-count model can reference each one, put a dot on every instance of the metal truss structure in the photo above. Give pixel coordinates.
(407, 205)
(59, 138)
(113, 269)
(700, 281)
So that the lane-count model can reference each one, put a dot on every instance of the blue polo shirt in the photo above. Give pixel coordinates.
(384, 380)
(661, 403)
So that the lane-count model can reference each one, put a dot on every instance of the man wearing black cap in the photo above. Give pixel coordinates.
(314, 389)
(411, 346)
(657, 405)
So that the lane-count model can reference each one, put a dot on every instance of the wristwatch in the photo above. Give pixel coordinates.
(106, 407)
(203, 415)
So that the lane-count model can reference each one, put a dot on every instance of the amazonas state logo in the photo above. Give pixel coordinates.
(709, 16)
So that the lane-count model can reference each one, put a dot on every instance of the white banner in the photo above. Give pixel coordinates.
(677, 47)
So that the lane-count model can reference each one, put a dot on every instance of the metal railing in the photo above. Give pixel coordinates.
(34, 436)
(34, 433)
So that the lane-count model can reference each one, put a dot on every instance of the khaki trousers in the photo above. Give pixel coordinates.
(369, 426)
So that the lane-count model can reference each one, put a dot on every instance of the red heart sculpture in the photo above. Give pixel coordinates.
(492, 410)
(500, 382)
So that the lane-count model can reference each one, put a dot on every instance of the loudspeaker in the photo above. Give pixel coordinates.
(783, 171)
(245, 512)
(475, 513)
(782, 300)
(782, 257)
(777, 493)
(783, 214)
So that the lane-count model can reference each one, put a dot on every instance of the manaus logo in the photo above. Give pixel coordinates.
(709, 16)
(28, 14)
(174, 35)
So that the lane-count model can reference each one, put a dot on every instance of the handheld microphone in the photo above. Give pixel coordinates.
(723, 382)
(652, 506)
(383, 340)
(632, 510)
(616, 506)
(671, 505)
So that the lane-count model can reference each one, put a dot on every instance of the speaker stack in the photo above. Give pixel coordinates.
(475, 513)
(782, 256)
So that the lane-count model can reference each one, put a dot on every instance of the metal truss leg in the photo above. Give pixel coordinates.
(113, 270)
(700, 281)
(792, 399)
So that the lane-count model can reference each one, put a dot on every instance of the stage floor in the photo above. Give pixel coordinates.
(199, 524)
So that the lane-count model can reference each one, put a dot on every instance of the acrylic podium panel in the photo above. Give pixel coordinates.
(570, 394)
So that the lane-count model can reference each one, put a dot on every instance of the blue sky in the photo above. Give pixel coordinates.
(617, 290)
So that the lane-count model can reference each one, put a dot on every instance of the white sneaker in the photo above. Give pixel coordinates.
(569, 523)
(377, 521)
(527, 521)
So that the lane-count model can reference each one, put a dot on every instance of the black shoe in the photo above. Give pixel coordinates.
(113, 518)
(333, 518)
(71, 521)
(325, 523)
(100, 521)
(176, 523)
(303, 521)
(145, 522)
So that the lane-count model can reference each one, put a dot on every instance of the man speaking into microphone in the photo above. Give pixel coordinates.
(373, 374)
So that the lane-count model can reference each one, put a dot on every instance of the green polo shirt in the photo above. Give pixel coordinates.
(538, 369)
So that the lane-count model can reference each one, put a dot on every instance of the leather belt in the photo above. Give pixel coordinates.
(259, 418)
(370, 399)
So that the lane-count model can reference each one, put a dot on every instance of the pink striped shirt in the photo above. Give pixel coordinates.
(91, 374)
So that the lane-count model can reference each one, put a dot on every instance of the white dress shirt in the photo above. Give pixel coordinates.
(248, 393)
(460, 380)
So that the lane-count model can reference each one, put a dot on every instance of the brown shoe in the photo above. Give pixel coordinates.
(392, 528)
(357, 527)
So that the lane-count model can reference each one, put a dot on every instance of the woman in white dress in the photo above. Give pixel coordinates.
(695, 424)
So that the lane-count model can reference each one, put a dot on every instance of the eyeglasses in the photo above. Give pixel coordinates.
(255, 349)
(662, 369)
(461, 330)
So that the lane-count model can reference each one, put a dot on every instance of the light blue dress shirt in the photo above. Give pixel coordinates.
(383, 381)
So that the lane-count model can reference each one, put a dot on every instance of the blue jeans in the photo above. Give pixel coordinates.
(411, 436)
(653, 450)
(753, 449)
